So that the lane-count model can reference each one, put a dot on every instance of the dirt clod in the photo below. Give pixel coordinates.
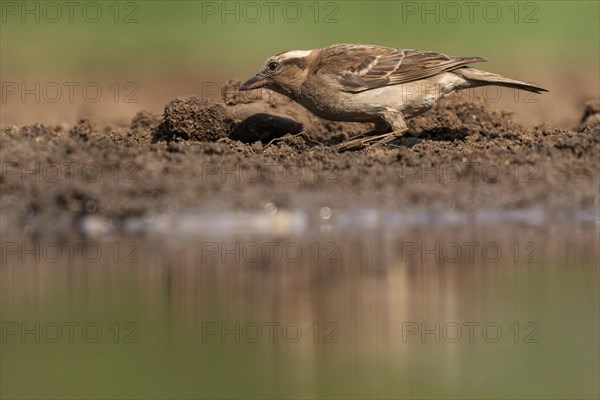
(591, 116)
(195, 119)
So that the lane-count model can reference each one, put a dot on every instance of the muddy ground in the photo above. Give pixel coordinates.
(257, 149)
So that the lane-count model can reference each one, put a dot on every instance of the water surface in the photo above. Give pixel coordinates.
(290, 304)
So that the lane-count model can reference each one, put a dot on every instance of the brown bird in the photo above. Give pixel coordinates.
(367, 83)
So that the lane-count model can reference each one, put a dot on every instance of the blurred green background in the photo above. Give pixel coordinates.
(232, 37)
(170, 48)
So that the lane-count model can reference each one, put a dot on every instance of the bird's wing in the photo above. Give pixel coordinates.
(363, 67)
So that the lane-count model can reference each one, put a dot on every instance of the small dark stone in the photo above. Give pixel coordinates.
(264, 127)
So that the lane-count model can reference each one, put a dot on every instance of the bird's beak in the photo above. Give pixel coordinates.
(257, 81)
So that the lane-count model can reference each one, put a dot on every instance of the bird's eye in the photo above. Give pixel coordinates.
(273, 65)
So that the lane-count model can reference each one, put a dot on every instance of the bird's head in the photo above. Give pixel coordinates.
(283, 73)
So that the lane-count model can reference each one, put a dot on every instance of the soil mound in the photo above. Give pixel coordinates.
(256, 148)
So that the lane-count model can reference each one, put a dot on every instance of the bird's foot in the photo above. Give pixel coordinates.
(361, 141)
(290, 137)
(363, 135)
(390, 137)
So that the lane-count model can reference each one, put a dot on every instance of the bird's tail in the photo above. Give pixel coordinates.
(478, 77)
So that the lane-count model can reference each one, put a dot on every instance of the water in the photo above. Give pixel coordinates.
(359, 304)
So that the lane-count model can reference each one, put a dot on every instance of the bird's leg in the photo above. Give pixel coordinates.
(398, 127)
(359, 141)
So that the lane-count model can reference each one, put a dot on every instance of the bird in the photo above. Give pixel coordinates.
(371, 83)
